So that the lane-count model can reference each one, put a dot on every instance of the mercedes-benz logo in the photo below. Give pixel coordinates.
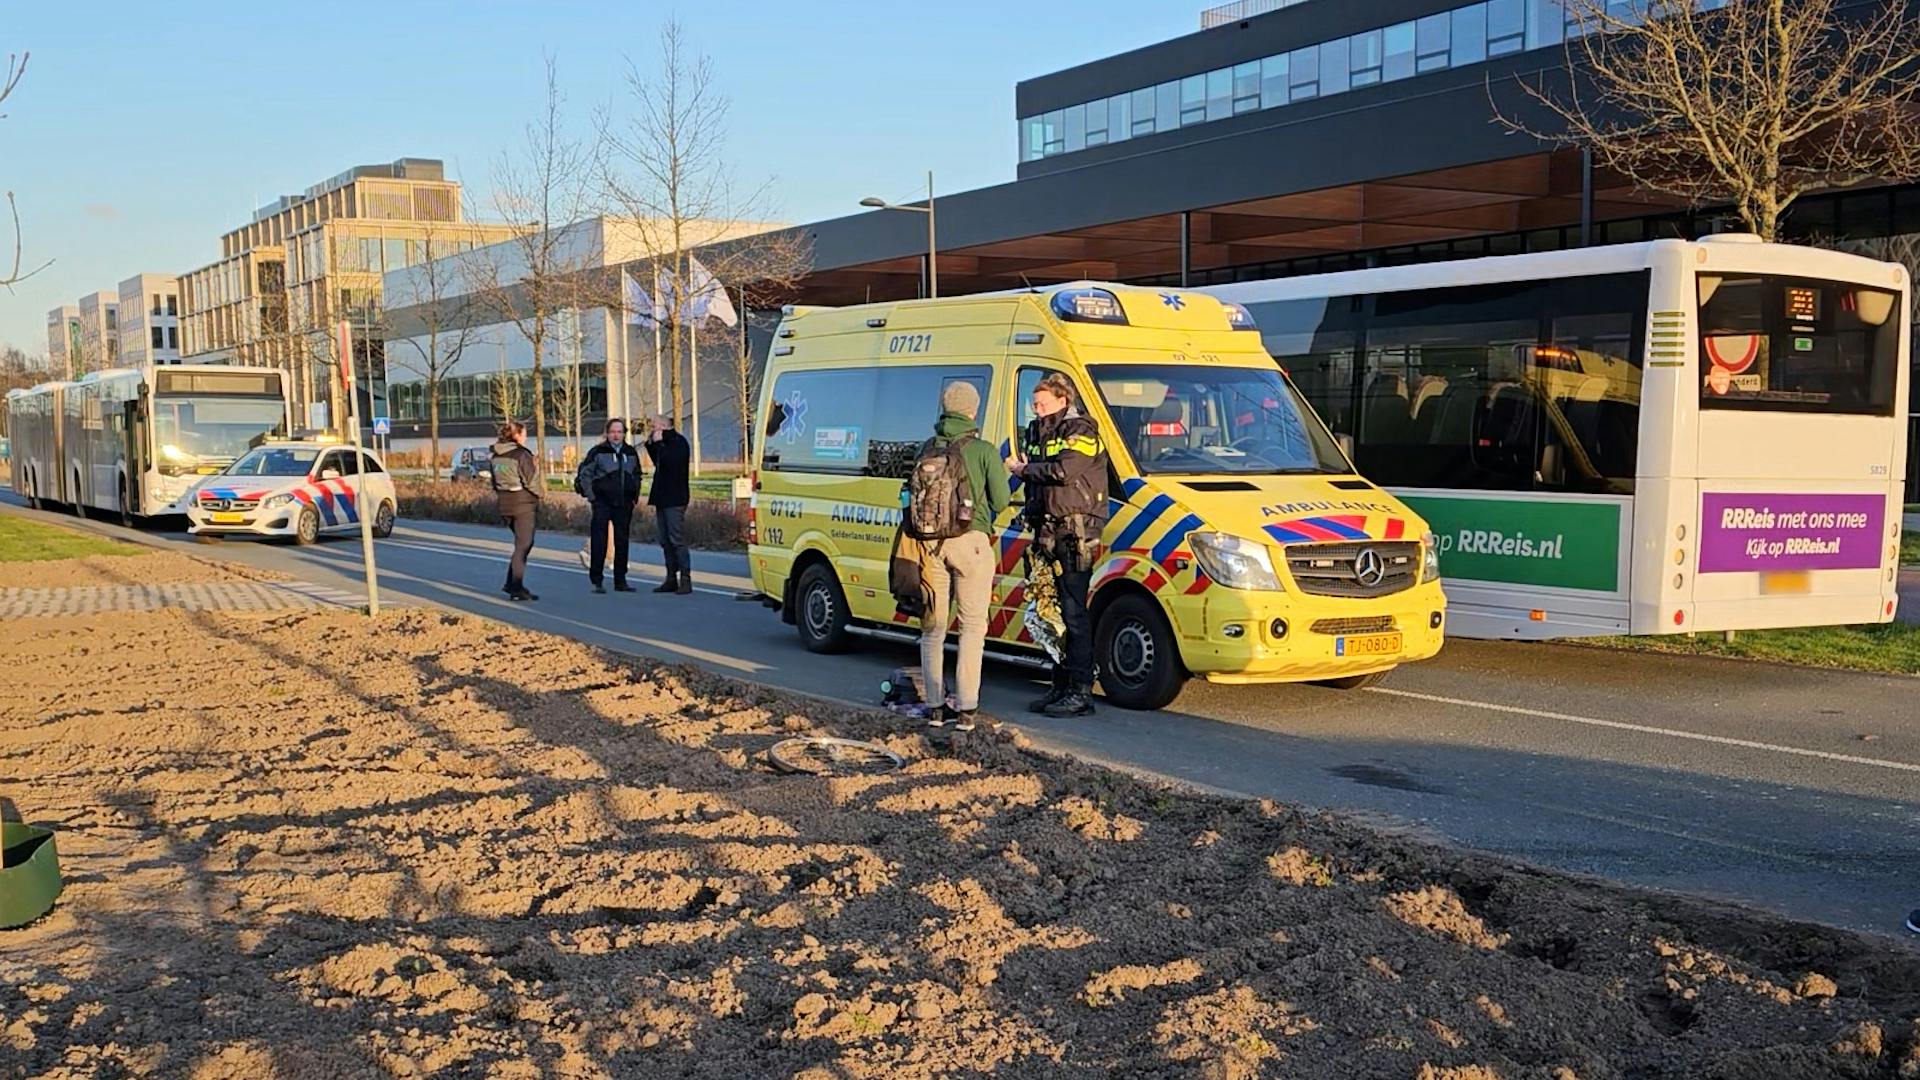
(1369, 568)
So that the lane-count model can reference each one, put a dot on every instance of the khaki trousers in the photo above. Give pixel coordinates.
(962, 568)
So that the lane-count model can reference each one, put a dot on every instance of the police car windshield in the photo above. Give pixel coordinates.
(274, 461)
(1194, 419)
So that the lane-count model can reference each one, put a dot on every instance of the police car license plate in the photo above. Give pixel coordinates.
(229, 519)
(1366, 644)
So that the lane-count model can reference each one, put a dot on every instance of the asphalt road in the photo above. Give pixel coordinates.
(1791, 789)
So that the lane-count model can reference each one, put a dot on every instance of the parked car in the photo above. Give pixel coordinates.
(473, 463)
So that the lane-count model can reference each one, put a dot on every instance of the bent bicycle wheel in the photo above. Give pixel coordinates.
(825, 755)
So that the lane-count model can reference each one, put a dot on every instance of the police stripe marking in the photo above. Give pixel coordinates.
(1170, 542)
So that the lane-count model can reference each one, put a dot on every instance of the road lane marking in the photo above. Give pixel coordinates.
(1648, 729)
(521, 609)
(553, 558)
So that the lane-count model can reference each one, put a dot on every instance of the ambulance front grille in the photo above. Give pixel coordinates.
(1334, 570)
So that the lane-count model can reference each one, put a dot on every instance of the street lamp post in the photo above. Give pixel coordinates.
(933, 260)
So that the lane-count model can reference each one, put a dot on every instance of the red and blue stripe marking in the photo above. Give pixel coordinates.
(1332, 528)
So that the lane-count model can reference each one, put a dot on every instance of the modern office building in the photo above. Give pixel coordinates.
(590, 367)
(150, 320)
(63, 340)
(305, 262)
(1288, 138)
(99, 342)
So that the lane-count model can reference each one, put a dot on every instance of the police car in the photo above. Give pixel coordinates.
(293, 489)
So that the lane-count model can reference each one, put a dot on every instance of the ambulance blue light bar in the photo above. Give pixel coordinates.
(1088, 305)
(1238, 317)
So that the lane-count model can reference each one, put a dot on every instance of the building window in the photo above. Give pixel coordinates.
(1166, 106)
(1506, 27)
(156, 303)
(1220, 94)
(159, 338)
(1469, 34)
(1333, 67)
(1399, 51)
(1273, 81)
(1363, 51)
(1303, 74)
(1119, 117)
(1143, 111)
(1193, 100)
(173, 338)
(1547, 23)
(1076, 126)
(113, 318)
(1246, 87)
(1433, 39)
(173, 305)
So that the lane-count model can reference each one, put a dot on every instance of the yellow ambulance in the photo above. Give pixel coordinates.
(1242, 547)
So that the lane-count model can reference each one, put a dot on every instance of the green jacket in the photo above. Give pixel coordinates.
(986, 471)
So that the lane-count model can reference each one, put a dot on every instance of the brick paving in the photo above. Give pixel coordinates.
(185, 596)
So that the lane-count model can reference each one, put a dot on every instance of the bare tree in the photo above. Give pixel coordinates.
(1749, 102)
(666, 167)
(536, 273)
(9, 80)
(439, 308)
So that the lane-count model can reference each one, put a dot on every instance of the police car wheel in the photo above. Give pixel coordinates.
(307, 529)
(1138, 659)
(383, 521)
(822, 611)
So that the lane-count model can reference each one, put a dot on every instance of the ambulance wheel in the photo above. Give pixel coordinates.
(307, 529)
(1138, 659)
(383, 520)
(822, 614)
(1355, 682)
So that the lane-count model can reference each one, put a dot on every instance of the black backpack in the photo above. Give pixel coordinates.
(939, 498)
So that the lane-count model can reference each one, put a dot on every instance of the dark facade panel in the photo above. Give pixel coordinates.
(1262, 35)
(1352, 138)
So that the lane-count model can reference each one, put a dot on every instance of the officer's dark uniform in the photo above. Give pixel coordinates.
(1066, 480)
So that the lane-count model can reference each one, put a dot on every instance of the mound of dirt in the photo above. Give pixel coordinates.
(314, 845)
(148, 567)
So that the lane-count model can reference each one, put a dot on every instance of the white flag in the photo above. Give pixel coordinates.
(710, 299)
(640, 309)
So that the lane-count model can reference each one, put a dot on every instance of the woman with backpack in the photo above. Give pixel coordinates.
(956, 491)
(516, 490)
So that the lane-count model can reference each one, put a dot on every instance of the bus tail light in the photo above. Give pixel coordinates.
(1679, 618)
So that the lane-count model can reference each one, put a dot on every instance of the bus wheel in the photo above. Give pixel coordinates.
(33, 493)
(383, 520)
(1354, 682)
(822, 618)
(1138, 658)
(126, 512)
(78, 505)
(307, 530)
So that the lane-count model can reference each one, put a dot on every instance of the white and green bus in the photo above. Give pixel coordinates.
(1648, 438)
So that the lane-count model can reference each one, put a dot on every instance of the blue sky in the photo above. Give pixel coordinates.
(143, 131)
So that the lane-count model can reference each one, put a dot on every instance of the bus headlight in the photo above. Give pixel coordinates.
(275, 502)
(1235, 562)
(1429, 557)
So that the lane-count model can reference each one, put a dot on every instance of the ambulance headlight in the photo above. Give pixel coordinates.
(1235, 562)
(275, 502)
(1429, 557)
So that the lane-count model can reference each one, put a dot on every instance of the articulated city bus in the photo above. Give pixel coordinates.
(135, 441)
(1636, 439)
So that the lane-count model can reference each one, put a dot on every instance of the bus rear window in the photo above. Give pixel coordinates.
(1789, 344)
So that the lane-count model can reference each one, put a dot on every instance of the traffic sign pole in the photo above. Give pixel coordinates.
(360, 468)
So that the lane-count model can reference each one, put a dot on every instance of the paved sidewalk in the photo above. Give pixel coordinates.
(186, 596)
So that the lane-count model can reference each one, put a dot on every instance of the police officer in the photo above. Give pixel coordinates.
(1064, 468)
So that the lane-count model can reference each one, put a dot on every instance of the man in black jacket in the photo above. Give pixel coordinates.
(1064, 468)
(609, 477)
(671, 459)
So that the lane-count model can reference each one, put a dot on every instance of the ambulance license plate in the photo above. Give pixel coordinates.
(229, 519)
(1366, 644)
